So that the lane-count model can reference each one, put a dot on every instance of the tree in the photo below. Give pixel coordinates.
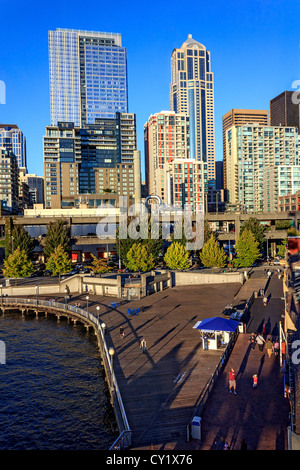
(256, 228)
(9, 225)
(139, 258)
(17, 264)
(59, 261)
(99, 266)
(282, 247)
(154, 244)
(247, 249)
(208, 232)
(20, 239)
(58, 233)
(177, 256)
(291, 232)
(212, 255)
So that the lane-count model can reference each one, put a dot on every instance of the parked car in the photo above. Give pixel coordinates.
(228, 311)
(37, 274)
(48, 273)
(73, 272)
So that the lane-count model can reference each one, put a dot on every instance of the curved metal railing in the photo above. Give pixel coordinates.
(90, 318)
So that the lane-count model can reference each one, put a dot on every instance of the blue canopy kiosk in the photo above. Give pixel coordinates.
(216, 331)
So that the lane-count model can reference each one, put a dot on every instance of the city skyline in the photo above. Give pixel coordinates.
(255, 56)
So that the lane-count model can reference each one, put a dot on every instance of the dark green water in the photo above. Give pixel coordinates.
(53, 395)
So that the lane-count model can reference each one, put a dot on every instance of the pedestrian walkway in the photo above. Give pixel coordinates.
(258, 416)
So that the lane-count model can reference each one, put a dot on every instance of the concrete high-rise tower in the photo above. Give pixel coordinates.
(192, 93)
(239, 117)
(88, 76)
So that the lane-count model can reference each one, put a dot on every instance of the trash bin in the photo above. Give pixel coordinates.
(196, 427)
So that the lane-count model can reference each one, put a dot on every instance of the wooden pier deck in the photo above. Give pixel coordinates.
(160, 389)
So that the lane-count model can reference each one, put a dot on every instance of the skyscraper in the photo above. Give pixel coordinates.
(13, 139)
(89, 160)
(166, 136)
(251, 151)
(283, 112)
(88, 76)
(238, 117)
(192, 93)
(9, 182)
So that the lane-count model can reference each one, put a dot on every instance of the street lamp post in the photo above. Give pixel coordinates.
(36, 293)
(1, 286)
(98, 310)
(120, 262)
(111, 352)
(66, 294)
(87, 303)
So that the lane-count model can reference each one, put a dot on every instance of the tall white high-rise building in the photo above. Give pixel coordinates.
(192, 93)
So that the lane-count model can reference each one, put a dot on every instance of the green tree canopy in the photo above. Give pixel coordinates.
(17, 237)
(177, 256)
(59, 261)
(212, 255)
(18, 264)
(247, 249)
(153, 241)
(139, 258)
(208, 232)
(20, 239)
(99, 265)
(256, 228)
(58, 233)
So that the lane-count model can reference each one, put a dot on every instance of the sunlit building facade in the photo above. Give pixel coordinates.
(13, 139)
(88, 76)
(253, 153)
(192, 93)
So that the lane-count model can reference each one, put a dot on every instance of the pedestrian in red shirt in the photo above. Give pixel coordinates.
(232, 381)
(255, 380)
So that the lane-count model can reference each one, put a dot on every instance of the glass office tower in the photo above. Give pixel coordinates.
(13, 139)
(88, 76)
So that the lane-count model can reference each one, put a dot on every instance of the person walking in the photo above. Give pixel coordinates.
(260, 341)
(243, 445)
(269, 346)
(232, 381)
(283, 350)
(122, 332)
(143, 345)
(276, 347)
(265, 301)
(255, 380)
(252, 340)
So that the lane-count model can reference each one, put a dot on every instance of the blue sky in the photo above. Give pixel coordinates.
(255, 54)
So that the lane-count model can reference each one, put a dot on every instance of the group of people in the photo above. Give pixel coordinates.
(272, 347)
(232, 381)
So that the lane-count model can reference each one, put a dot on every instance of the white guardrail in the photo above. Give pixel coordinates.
(124, 440)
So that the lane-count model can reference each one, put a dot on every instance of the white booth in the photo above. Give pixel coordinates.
(216, 332)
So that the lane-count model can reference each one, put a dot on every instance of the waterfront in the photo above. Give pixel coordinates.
(53, 389)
